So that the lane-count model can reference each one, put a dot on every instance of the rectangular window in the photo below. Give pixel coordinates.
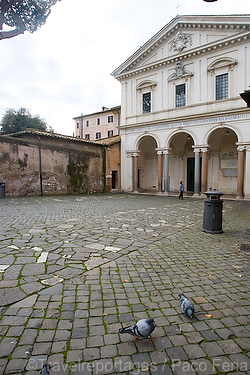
(77, 125)
(86, 136)
(98, 135)
(180, 95)
(110, 133)
(98, 121)
(222, 86)
(146, 102)
(110, 118)
(87, 123)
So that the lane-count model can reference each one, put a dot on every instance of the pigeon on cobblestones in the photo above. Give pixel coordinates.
(45, 370)
(141, 330)
(186, 306)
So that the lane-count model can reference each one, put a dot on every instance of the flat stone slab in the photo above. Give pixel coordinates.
(3, 267)
(95, 261)
(43, 257)
(112, 248)
(13, 247)
(10, 295)
(33, 269)
(53, 290)
(36, 248)
(26, 302)
(95, 245)
(52, 281)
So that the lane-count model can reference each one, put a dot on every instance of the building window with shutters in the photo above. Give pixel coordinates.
(98, 135)
(110, 133)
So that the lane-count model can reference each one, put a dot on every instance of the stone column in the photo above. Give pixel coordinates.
(160, 172)
(247, 171)
(197, 172)
(135, 171)
(166, 171)
(204, 167)
(240, 175)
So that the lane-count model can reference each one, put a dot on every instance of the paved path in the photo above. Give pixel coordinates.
(74, 269)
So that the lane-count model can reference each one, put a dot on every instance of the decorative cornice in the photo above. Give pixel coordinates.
(221, 63)
(241, 37)
(146, 84)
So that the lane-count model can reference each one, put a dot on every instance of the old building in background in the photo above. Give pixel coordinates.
(182, 114)
(98, 125)
(113, 162)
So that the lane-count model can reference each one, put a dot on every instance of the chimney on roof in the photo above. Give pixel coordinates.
(105, 109)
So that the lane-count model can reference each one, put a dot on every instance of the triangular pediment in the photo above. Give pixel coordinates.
(184, 35)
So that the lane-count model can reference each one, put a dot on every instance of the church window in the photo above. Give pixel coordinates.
(146, 102)
(222, 86)
(180, 95)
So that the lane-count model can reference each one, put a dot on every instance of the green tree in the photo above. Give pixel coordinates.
(23, 15)
(15, 121)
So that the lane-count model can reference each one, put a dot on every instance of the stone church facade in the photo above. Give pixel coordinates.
(182, 116)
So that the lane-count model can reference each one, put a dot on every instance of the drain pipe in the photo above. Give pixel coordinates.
(40, 166)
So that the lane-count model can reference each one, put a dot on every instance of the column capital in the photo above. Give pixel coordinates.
(241, 146)
(200, 148)
(166, 151)
(159, 151)
(131, 153)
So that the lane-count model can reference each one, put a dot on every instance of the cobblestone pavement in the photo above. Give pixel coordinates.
(74, 269)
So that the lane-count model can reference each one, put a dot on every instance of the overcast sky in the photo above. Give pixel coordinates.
(63, 69)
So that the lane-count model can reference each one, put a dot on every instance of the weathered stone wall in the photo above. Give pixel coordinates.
(68, 167)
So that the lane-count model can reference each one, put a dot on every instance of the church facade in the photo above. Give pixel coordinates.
(182, 116)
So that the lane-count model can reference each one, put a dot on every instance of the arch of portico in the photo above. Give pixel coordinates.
(144, 163)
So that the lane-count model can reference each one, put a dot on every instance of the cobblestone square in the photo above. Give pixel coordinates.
(75, 269)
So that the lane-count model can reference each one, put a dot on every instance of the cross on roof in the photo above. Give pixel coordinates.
(177, 9)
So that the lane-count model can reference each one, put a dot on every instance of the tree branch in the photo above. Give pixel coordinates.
(10, 34)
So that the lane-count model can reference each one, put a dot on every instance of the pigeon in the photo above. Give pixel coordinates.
(186, 306)
(45, 370)
(141, 330)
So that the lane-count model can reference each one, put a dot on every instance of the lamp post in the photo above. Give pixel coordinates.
(246, 97)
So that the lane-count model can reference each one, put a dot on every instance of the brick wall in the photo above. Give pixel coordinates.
(68, 166)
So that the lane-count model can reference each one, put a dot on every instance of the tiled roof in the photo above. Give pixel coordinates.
(105, 141)
(110, 140)
(49, 134)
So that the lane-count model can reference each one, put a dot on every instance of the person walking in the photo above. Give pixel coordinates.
(181, 190)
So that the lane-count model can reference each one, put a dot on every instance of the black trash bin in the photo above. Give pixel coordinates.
(2, 190)
(212, 217)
